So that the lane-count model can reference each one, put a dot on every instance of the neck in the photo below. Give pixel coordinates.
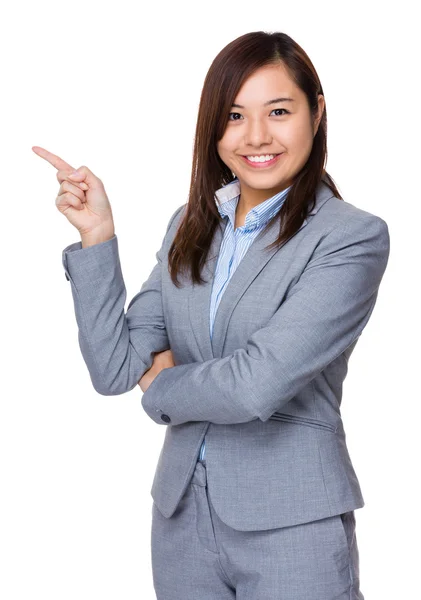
(249, 198)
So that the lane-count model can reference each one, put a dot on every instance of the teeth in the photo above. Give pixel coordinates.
(264, 158)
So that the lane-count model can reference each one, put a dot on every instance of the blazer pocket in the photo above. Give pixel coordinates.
(316, 423)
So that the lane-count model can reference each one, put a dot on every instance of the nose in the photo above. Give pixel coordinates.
(257, 133)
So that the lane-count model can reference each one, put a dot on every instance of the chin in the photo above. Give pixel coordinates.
(260, 182)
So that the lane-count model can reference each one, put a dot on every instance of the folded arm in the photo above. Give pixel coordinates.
(324, 313)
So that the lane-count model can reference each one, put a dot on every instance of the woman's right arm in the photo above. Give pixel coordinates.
(117, 347)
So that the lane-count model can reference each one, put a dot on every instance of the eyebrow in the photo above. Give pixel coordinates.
(274, 101)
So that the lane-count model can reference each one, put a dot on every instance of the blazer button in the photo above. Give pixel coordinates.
(66, 276)
(166, 418)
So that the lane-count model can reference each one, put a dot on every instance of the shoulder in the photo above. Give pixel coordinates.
(344, 230)
(342, 217)
(176, 217)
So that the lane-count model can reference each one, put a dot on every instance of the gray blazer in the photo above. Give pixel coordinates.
(267, 389)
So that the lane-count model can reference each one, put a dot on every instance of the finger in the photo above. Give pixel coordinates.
(53, 159)
(67, 198)
(63, 176)
(86, 175)
(66, 186)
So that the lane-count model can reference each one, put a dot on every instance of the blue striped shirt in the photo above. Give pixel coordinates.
(236, 242)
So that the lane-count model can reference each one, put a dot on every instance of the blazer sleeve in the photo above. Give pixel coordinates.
(324, 313)
(117, 347)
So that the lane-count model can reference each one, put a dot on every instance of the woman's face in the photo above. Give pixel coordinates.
(257, 128)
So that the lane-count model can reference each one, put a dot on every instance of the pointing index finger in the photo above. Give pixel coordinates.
(53, 159)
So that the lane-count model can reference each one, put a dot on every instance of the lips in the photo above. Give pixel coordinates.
(265, 154)
(262, 165)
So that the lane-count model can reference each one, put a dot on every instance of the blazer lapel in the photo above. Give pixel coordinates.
(250, 266)
(200, 296)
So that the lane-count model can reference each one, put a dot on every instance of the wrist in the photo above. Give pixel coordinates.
(96, 237)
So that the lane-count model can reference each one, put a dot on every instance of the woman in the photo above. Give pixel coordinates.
(241, 336)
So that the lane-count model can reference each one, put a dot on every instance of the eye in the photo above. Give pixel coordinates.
(238, 114)
(233, 113)
(284, 109)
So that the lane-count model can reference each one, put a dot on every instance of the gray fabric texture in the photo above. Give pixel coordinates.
(266, 390)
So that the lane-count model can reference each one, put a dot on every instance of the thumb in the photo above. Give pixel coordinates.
(84, 174)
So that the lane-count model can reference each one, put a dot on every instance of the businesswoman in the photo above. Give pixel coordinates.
(240, 338)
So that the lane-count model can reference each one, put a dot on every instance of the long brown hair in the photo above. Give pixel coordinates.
(229, 70)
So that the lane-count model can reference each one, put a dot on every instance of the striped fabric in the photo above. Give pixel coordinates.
(236, 242)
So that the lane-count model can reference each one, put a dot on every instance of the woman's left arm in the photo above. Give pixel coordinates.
(324, 313)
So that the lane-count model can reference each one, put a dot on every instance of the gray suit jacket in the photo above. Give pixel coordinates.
(267, 389)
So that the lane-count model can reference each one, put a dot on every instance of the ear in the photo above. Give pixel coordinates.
(321, 103)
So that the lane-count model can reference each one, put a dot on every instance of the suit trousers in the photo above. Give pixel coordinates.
(196, 556)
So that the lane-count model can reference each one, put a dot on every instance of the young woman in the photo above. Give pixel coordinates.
(240, 338)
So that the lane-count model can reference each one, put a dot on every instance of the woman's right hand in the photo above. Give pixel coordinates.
(82, 199)
(161, 360)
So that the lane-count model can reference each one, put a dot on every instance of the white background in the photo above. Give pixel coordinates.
(116, 87)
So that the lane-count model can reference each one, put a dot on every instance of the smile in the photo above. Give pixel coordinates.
(259, 162)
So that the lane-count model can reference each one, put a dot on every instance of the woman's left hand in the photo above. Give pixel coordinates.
(162, 360)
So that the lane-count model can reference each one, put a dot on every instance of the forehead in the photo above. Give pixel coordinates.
(270, 81)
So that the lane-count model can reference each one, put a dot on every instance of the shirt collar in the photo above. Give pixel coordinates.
(226, 199)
